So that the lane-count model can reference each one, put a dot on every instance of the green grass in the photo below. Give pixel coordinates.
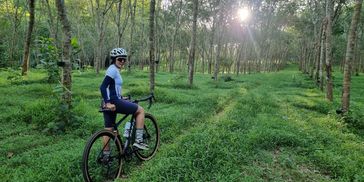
(259, 127)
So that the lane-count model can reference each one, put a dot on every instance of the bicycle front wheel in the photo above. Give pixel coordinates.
(102, 157)
(151, 137)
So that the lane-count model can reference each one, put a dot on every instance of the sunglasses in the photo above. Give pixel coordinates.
(121, 59)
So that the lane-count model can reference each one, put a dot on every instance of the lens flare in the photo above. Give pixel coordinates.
(244, 14)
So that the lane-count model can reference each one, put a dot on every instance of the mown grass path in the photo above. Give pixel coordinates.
(261, 127)
(272, 127)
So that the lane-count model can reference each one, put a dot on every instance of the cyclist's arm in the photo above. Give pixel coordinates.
(108, 80)
(103, 87)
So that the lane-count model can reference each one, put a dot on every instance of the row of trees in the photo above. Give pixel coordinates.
(259, 44)
(182, 36)
(218, 41)
(326, 31)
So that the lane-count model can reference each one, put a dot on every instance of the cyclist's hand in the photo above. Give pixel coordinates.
(110, 106)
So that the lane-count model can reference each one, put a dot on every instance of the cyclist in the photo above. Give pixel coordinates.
(111, 90)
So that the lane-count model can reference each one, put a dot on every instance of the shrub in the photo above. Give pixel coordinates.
(48, 116)
(48, 54)
(39, 113)
(180, 81)
(355, 119)
(14, 76)
(227, 78)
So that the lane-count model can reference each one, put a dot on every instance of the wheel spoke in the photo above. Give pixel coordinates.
(100, 166)
(151, 137)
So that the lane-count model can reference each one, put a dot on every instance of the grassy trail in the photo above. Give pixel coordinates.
(273, 127)
(260, 127)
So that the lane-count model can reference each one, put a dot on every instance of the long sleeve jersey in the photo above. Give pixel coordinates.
(111, 87)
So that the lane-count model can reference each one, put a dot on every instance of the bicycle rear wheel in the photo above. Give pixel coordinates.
(151, 137)
(98, 166)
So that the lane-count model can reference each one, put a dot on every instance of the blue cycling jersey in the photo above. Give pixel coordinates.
(111, 87)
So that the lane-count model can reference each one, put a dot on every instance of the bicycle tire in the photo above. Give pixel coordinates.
(94, 162)
(151, 137)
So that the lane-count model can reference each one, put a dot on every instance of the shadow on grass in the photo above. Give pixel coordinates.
(320, 107)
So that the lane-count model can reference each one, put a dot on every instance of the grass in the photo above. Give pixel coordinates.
(259, 127)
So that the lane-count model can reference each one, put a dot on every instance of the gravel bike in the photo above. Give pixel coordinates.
(96, 166)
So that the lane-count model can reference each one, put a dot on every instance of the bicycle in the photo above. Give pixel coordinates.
(99, 167)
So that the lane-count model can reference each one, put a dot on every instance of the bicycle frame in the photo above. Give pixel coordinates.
(132, 122)
(128, 139)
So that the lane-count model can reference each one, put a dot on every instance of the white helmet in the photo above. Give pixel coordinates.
(118, 52)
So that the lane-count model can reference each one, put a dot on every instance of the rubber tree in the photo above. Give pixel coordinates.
(220, 26)
(25, 66)
(191, 59)
(132, 30)
(66, 56)
(328, 52)
(345, 102)
(151, 46)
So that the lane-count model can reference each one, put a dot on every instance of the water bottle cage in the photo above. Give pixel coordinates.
(128, 129)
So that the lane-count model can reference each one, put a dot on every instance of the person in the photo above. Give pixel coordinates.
(111, 91)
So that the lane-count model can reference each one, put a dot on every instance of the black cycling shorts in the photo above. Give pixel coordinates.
(123, 107)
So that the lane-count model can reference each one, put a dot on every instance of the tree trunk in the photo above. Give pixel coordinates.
(317, 36)
(211, 56)
(203, 54)
(25, 66)
(311, 60)
(300, 68)
(329, 84)
(131, 48)
(118, 22)
(318, 56)
(349, 56)
(121, 27)
(191, 59)
(143, 46)
(322, 55)
(15, 18)
(219, 43)
(238, 60)
(67, 69)
(211, 48)
(245, 58)
(52, 28)
(100, 44)
(157, 36)
(151, 46)
(174, 35)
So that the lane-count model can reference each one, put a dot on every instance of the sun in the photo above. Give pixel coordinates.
(244, 14)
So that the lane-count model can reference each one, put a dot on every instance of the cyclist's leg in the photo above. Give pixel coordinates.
(126, 107)
(139, 117)
(109, 122)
